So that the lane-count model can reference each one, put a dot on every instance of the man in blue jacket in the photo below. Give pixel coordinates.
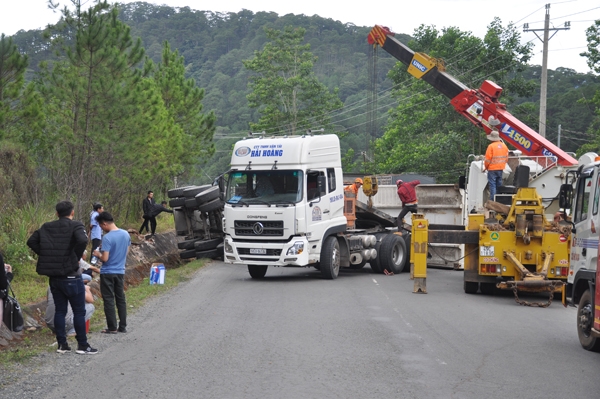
(59, 246)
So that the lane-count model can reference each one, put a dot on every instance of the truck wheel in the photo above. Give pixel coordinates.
(177, 202)
(471, 287)
(487, 288)
(204, 245)
(393, 254)
(190, 203)
(211, 193)
(211, 206)
(585, 321)
(188, 254)
(191, 192)
(376, 263)
(187, 244)
(330, 258)
(257, 271)
(210, 254)
(176, 192)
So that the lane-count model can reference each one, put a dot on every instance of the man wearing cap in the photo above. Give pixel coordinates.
(496, 157)
(408, 196)
(354, 187)
(95, 232)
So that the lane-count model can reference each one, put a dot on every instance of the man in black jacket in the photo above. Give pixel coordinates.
(59, 246)
(147, 206)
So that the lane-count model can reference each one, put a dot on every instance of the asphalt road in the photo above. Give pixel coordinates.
(295, 335)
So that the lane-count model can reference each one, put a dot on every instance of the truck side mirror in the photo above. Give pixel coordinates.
(565, 196)
(462, 182)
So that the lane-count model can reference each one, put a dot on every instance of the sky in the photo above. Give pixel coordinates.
(401, 16)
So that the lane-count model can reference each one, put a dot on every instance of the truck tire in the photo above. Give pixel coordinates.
(177, 202)
(191, 192)
(330, 258)
(187, 254)
(376, 263)
(190, 203)
(257, 271)
(221, 251)
(213, 205)
(204, 245)
(393, 254)
(471, 287)
(187, 244)
(210, 254)
(211, 193)
(585, 321)
(487, 288)
(176, 192)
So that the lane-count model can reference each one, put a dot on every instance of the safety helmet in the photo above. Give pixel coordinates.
(399, 182)
(358, 180)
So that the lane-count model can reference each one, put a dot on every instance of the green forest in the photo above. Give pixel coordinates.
(117, 99)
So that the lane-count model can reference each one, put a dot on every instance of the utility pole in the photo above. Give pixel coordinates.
(544, 81)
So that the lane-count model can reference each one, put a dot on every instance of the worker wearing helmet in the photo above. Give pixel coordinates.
(354, 187)
(496, 157)
(408, 196)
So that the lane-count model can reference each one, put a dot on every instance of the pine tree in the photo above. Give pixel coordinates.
(105, 121)
(20, 108)
(285, 89)
(183, 101)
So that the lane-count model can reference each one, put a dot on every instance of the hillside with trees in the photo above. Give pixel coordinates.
(411, 129)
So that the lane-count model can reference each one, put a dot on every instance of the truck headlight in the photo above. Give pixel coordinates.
(227, 246)
(296, 249)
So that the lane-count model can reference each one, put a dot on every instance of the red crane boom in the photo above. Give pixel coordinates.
(480, 106)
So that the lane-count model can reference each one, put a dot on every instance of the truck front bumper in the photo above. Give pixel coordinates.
(293, 253)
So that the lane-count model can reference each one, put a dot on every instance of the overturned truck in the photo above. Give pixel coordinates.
(198, 214)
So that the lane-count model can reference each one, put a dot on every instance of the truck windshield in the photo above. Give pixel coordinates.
(250, 187)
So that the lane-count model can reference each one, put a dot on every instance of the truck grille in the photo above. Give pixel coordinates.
(271, 228)
(270, 252)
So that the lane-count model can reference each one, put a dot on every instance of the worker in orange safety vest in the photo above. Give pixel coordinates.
(496, 157)
(354, 187)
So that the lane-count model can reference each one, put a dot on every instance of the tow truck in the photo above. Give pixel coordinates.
(518, 248)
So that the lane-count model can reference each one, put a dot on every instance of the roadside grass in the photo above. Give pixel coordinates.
(37, 342)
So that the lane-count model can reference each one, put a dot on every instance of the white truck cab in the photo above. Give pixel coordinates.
(285, 205)
(283, 196)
